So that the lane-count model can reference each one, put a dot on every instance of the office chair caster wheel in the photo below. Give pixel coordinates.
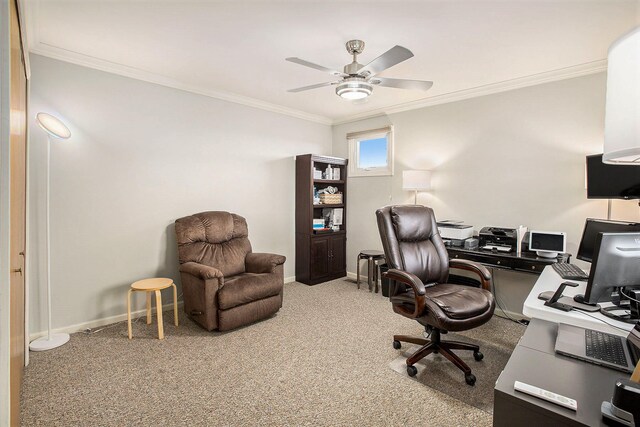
(397, 345)
(470, 379)
(412, 371)
(478, 356)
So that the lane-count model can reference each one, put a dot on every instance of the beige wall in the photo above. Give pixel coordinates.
(140, 156)
(502, 160)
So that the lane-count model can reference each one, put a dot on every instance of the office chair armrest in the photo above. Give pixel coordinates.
(417, 286)
(201, 271)
(263, 262)
(479, 269)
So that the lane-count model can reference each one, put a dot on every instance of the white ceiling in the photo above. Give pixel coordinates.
(235, 50)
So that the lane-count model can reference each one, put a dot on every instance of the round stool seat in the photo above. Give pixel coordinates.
(371, 253)
(154, 284)
(149, 286)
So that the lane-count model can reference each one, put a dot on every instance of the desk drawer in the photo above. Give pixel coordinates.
(535, 267)
(488, 259)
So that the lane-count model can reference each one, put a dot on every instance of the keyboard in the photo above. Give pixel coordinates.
(606, 347)
(569, 271)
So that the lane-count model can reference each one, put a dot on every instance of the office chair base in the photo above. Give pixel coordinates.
(436, 345)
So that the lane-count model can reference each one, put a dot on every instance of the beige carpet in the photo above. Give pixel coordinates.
(496, 340)
(322, 360)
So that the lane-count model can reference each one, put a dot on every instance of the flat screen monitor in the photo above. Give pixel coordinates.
(594, 226)
(616, 264)
(547, 243)
(611, 181)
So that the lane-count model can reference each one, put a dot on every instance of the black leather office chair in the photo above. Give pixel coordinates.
(418, 272)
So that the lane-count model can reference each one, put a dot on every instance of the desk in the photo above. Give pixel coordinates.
(534, 362)
(526, 262)
(549, 280)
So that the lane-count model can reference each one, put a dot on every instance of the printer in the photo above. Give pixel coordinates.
(454, 233)
(498, 238)
(454, 230)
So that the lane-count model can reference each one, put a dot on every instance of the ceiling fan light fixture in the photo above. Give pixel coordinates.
(354, 88)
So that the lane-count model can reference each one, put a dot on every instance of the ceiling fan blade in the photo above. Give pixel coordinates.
(393, 56)
(300, 89)
(402, 83)
(316, 66)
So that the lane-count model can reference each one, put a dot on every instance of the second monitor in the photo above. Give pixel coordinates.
(615, 264)
(594, 226)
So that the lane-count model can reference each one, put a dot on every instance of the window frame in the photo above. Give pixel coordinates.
(354, 140)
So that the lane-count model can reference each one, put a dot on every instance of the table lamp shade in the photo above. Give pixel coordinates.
(622, 116)
(416, 180)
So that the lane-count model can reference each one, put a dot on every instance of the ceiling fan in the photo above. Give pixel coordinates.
(357, 80)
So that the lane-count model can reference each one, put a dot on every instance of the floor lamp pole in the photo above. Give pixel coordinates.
(48, 237)
(415, 197)
(51, 340)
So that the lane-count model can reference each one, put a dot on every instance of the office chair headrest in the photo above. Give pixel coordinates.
(413, 223)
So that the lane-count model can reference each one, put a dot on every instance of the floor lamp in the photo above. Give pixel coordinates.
(417, 181)
(56, 129)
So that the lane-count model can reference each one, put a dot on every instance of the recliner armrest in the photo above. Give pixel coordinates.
(417, 286)
(202, 271)
(479, 269)
(263, 262)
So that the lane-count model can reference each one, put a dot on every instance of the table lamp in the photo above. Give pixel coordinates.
(416, 180)
(58, 130)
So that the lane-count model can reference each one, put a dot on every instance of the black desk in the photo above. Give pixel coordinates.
(526, 262)
(534, 362)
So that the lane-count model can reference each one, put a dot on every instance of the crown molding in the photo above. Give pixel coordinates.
(54, 52)
(31, 9)
(66, 55)
(503, 86)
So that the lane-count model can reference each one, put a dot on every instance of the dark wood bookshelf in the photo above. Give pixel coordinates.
(320, 255)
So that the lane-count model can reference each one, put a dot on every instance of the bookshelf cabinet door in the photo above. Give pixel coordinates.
(337, 251)
(319, 257)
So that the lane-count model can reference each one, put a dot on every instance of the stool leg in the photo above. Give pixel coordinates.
(358, 271)
(129, 313)
(159, 314)
(376, 274)
(370, 265)
(148, 307)
(175, 303)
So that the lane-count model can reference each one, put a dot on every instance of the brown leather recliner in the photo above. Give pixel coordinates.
(418, 273)
(225, 285)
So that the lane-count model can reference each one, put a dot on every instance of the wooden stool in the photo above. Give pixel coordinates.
(372, 258)
(149, 286)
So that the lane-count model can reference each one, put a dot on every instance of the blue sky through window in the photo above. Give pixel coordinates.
(373, 153)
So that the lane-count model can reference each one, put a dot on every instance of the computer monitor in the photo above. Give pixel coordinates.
(547, 244)
(594, 226)
(605, 181)
(616, 264)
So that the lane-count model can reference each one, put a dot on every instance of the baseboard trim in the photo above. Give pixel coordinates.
(104, 321)
(96, 323)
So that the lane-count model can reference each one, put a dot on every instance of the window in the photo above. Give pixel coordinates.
(371, 152)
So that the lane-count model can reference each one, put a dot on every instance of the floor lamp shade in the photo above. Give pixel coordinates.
(53, 126)
(416, 180)
(56, 129)
(622, 116)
